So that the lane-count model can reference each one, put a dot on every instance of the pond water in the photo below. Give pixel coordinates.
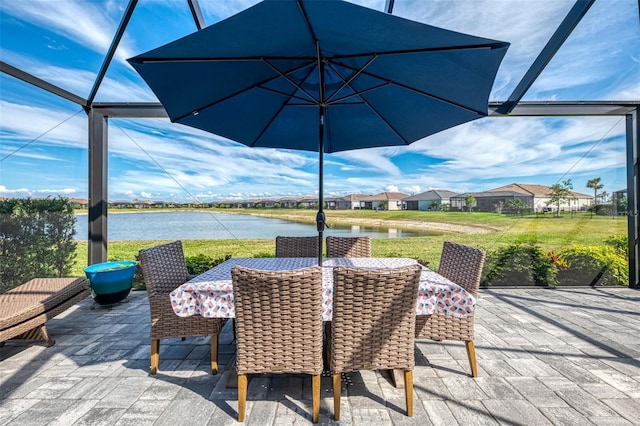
(194, 225)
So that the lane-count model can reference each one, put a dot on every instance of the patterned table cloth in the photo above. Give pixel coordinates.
(211, 294)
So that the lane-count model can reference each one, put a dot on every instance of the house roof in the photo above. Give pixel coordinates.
(489, 194)
(523, 188)
(384, 196)
(533, 189)
(434, 194)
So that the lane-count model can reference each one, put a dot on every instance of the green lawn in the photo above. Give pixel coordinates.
(549, 232)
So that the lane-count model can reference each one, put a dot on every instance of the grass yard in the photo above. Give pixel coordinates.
(547, 231)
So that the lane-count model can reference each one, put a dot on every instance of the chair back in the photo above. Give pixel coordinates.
(163, 267)
(374, 312)
(462, 265)
(297, 246)
(348, 247)
(278, 320)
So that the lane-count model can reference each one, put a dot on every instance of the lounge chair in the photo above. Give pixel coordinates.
(25, 309)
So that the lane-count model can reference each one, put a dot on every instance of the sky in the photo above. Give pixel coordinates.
(43, 138)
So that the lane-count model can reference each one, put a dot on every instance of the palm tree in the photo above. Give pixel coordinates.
(595, 185)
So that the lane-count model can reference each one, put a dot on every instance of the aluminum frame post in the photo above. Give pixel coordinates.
(633, 196)
(98, 194)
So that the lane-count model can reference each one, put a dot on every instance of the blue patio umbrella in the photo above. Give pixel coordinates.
(323, 76)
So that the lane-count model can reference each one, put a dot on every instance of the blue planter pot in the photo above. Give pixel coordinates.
(111, 282)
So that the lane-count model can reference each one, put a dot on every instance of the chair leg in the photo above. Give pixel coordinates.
(337, 384)
(315, 397)
(242, 396)
(408, 391)
(155, 355)
(214, 354)
(471, 352)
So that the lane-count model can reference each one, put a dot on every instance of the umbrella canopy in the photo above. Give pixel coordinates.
(322, 76)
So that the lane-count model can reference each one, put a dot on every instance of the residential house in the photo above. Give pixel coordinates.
(429, 200)
(383, 201)
(535, 197)
(288, 203)
(310, 202)
(540, 197)
(488, 201)
(348, 202)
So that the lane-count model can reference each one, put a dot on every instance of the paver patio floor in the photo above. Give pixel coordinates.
(545, 357)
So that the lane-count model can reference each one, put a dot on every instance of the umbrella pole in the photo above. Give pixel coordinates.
(320, 218)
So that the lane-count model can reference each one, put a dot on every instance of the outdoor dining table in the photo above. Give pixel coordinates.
(210, 294)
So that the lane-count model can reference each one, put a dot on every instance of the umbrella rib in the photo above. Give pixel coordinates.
(413, 89)
(496, 45)
(293, 83)
(259, 84)
(392, 128)
(339, 101)
(364, 101)
(273, 117)
(346, 83)
(308, 103)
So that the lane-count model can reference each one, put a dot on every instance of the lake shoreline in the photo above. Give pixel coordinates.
(208, 224)
(408, 225)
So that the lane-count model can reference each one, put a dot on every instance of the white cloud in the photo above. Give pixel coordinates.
(88, 23)
(415, 189)
(156, 158)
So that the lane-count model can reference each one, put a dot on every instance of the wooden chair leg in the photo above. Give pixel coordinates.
(315, 397)
(337, 384)
(214, 354)
(471, 352)
(242, 396)
(155, 355)
(408, 391)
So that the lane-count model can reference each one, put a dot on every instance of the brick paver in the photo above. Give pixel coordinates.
(545, 357)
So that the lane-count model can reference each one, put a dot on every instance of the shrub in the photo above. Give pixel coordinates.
(620, 243)
(593, 266)
(36, 239)
(518, 265)
(200, 263)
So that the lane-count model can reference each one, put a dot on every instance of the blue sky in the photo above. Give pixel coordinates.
(43, 138)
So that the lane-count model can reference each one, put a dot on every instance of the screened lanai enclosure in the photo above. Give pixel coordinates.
(564, 105)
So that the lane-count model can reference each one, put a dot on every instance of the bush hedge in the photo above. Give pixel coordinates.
(518, 265)
(593, 266)
(36, 239)
(529, 265)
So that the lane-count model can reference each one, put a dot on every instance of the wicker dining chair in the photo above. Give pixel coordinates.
(374, 312)
(462, 265)
(164, 269)
(278, 326)
(297, 246)
(348, 247)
